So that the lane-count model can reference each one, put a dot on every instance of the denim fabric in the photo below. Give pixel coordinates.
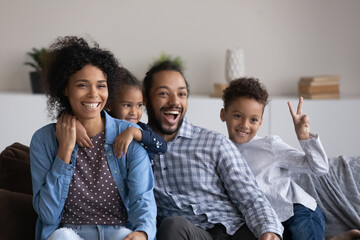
(51, 179)
(305, 224)
(90, 232)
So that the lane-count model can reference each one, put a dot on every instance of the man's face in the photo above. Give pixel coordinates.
(167, 103)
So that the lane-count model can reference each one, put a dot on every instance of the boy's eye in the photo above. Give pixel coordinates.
(126, 105)
(254, 120)
(139, 105)
(237, 116)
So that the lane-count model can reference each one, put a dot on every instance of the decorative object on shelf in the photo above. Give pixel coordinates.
(166, 57)
(319, 87)
(235, 65)
(218, 89)
(37, 56)
(234, 68)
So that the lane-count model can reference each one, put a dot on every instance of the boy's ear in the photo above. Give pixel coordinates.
(222, 114)
(66, 92)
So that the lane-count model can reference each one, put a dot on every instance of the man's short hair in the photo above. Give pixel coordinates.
(161, 66)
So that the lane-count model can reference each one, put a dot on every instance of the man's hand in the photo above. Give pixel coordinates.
(136, 236)
(301, 122)
(269, 236)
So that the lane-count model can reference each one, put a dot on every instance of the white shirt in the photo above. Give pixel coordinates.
(272, 161)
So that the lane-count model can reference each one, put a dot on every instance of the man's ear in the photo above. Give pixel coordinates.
(222, 114)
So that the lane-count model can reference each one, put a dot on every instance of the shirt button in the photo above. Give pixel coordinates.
(105, 145)
(110, 154)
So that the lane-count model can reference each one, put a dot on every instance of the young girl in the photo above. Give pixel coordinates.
(272, 160)
(128, 105)
(79, 192)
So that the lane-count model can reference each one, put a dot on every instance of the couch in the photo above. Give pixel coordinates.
(17, 216)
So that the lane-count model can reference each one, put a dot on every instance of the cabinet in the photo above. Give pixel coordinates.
(336, 121)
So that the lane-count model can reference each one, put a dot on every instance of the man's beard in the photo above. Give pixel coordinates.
(156, 123)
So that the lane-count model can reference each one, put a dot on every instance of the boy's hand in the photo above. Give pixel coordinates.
(81, 136)
(136, 236)
(301, 122)
(123, 140)
(66, 136)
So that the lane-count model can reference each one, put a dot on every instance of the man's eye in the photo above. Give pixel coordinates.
(163, 93)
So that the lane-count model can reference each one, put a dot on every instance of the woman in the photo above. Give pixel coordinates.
(81, 192)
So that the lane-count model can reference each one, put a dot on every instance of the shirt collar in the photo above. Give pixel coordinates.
(186, 130)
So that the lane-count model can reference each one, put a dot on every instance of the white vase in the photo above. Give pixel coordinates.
(235, 65)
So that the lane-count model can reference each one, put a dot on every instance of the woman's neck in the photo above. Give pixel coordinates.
(93, 126)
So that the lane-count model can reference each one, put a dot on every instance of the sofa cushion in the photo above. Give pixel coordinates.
(15, 173)
(17, 216)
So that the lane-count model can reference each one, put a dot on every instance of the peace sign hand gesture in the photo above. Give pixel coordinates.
(301, 122)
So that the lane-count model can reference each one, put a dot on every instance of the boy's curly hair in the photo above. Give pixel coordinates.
(245, 87)
(68, 55)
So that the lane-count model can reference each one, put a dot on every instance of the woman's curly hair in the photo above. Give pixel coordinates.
(245, 87)
(68, 55)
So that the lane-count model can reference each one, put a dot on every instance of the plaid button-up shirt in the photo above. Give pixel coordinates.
(204, 178)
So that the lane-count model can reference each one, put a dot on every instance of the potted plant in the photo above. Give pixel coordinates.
(37, 62)
(166, 57)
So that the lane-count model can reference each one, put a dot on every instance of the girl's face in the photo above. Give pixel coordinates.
(87, 92)
(128, 105)
(243, 119)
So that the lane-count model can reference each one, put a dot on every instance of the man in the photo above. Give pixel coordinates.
(203, 186)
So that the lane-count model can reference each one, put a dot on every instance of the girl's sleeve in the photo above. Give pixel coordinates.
(151, 141)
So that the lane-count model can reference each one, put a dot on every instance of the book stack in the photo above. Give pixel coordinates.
(319, 87)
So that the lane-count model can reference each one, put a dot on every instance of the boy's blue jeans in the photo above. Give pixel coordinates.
(305, 224)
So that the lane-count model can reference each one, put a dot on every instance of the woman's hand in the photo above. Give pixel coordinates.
(301, 122)
(136, 236)
(66, 136)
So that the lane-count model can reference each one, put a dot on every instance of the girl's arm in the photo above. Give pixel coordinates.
(150, 140)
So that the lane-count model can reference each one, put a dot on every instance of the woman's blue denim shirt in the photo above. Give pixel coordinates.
(51, 179)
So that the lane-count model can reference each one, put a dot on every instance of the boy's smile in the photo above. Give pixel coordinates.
(243, 119)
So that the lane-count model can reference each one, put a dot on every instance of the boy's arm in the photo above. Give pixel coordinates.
(301, 122)
(152, 141)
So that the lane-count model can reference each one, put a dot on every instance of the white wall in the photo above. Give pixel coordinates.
(282, 39)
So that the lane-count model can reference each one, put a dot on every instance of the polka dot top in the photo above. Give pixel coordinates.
(93, 197)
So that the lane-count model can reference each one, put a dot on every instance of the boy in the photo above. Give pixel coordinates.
(272, 160)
